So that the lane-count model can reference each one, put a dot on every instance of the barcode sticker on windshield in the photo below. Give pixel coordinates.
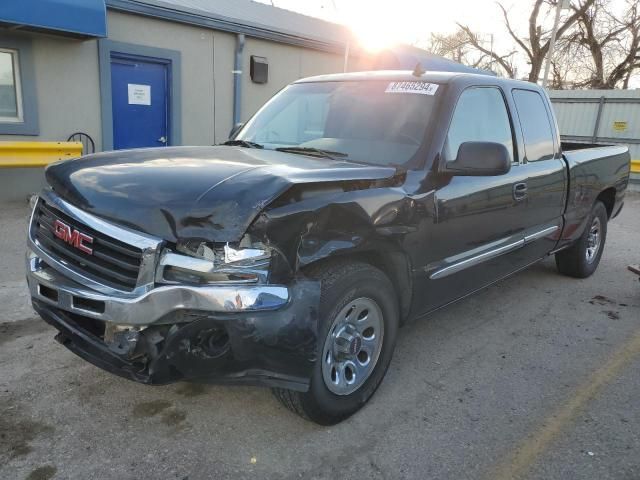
(422, 88)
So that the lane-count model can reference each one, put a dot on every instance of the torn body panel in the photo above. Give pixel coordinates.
(268, 348)
(372, 224)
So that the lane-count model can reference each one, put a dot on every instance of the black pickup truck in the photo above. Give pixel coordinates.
(289, 256)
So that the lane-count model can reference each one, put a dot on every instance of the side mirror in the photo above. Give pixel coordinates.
(236, 128)
(480, 159)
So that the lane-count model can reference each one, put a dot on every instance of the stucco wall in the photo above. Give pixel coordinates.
(223, 55)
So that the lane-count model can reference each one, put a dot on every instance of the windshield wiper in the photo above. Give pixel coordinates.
(317, 152)
(242, 143)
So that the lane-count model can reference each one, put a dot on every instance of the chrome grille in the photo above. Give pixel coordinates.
(112, 262)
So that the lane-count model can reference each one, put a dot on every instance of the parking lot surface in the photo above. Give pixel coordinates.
(536, 377)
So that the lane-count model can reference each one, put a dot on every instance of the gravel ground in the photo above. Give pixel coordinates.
(536, 377)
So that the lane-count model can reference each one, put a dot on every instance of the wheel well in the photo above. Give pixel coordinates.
(608, 198)
(393, 264)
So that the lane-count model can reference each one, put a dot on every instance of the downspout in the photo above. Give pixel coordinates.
(237, 80)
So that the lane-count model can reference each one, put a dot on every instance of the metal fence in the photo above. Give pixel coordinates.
(599, 116)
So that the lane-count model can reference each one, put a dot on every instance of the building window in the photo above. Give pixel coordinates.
(10, 92)
(18, 99)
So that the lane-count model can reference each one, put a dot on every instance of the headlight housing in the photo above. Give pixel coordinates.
(202, 263)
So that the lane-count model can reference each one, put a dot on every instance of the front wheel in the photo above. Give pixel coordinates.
(356, 339)
(582, 258)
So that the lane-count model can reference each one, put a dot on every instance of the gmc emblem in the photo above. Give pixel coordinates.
(73, 237)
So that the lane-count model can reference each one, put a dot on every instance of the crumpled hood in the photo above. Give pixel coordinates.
(209, 193)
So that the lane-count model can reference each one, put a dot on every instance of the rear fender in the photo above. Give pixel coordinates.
(593, 172)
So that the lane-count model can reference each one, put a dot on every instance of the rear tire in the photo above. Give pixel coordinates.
(582, 258)
(357, 329)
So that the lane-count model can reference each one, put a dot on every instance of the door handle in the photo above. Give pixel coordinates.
(162, 139)
(519, 191)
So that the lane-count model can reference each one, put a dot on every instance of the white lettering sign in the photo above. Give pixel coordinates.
(422, 88)
(139, 94)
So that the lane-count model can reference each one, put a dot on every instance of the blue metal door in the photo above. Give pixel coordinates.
(139, 95)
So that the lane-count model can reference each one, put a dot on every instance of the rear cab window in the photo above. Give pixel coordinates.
(535, 124)
(480, 115)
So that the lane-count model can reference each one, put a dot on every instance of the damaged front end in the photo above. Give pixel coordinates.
(196, 310)
(158, 291)
(267, 348)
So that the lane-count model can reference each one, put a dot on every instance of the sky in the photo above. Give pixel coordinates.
(409, 21)
(412, 21)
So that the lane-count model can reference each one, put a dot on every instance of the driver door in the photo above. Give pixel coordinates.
(479, 221)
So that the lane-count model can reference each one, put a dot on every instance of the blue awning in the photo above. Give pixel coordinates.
(82, 18)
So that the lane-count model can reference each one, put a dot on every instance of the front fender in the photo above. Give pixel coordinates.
(369, 225)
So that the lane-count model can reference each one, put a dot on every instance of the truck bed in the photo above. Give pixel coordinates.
(596, 172)
(572, 146)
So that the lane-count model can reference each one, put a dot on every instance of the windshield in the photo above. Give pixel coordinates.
(375, 122)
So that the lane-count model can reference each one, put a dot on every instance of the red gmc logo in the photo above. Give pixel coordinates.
(73, 237)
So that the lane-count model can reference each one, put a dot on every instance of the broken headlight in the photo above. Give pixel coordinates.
(202, 263)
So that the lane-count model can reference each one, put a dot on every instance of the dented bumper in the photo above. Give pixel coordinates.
(49, 286)
(259, 335)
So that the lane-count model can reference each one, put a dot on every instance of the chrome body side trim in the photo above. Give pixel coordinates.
(541, 234)
(476, 260)
(149, 307)
(453, 266)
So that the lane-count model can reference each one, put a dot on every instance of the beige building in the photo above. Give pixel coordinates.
(139, 73)
(192, 44)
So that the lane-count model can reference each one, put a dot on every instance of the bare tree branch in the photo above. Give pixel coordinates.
(596, 45)
(512, 33)
(501, 59)
(613, 43)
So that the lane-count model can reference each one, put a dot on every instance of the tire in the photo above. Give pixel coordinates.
(345, 285)
(580, 260)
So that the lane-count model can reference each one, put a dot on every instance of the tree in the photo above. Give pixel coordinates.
(571, 65)
(505, 61)
(452, 46)
(597, 44)
(536, 45)
(456, 47)
(613, 43)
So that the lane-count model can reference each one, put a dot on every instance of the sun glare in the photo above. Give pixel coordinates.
(376, 24)
(373, 39)
(374, 36)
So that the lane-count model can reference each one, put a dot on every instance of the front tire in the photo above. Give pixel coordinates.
(582, 258)
(356, 338)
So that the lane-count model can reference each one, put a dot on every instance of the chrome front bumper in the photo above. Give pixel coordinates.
(52, 287)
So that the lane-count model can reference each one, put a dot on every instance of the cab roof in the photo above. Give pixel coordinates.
(391, 75)
(442, 78)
